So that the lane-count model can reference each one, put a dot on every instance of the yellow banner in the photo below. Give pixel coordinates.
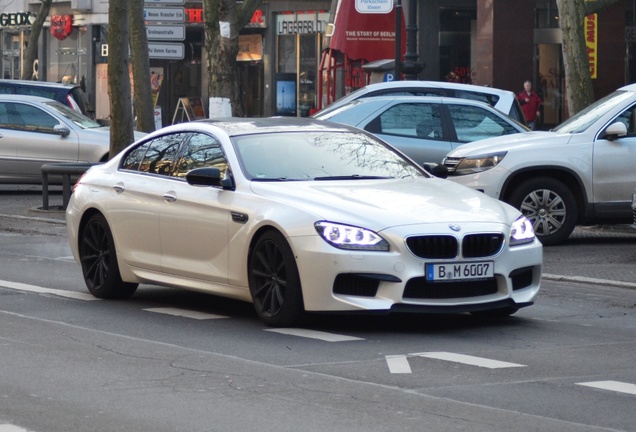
(591, 39)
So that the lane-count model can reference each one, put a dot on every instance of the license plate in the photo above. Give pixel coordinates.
(460, 271)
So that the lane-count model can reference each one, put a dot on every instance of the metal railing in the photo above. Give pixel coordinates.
(66, 170)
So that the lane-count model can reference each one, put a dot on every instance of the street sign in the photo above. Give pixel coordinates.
(374, 6)
(166, 32)
(172, 2)
(170, 51)
(164, 14)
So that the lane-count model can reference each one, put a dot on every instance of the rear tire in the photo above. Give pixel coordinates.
(551, 207)
(98, 258)
(274, 281)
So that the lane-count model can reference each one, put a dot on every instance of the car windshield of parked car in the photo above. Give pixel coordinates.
(319, 156)
(585, 118)
(73, 116)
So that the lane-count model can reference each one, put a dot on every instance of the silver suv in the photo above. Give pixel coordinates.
(504, 100)
(581, 172)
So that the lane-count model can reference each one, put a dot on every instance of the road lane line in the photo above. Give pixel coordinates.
(41, 290)
(469, 360)
(312, 334)
(616, 386)
(11, 428)
(185, 313)
(398, 364)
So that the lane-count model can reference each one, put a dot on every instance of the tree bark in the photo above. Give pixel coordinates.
(578, 83)
(121, 122)
(142, 91)
(222, 21)
(32, 46)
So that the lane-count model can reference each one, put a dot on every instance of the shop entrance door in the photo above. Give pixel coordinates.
(251, 88)
(551, 85)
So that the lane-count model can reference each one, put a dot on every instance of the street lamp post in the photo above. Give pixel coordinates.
(411, 67)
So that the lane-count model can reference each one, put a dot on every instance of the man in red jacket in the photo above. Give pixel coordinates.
(530, 104)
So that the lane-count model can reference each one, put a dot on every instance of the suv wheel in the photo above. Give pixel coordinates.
(551, 207)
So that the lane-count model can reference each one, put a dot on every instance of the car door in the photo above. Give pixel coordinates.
(143, 178)
(473, 123)
(193, 219)
(614, 176)
(30, 129)
(414, 128)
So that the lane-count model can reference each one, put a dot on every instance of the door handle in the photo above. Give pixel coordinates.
(169, 198)
(118, 188)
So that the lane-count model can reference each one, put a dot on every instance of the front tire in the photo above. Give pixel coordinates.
(98, 258)
(551, 207)
(274, 281)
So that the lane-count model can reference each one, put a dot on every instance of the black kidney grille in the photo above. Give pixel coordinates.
(433, 247)
(481, 245)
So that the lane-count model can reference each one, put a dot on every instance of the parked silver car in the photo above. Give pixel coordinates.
(36, 130)
(504, 100)
(423, 127)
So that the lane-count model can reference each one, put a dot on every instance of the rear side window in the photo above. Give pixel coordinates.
(474, 123)
(155, 157)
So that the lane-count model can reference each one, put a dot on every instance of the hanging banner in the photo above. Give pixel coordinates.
(366, 36)
(591, 41)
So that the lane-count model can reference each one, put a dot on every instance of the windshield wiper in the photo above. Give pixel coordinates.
(352, 177)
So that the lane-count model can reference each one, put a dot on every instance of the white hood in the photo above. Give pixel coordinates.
(378, 204)
(532, 140)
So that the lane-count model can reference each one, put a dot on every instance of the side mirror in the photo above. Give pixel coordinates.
(615, 130)
(208, 177)
(61, 130)
(438, 170)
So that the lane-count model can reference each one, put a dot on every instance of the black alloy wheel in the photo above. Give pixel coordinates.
(99, 261)
(274, 281)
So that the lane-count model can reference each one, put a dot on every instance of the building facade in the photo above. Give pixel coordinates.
(484, 42)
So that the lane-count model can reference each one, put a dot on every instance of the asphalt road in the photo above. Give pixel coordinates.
(172, 360)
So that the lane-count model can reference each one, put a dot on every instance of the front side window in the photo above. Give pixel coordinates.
(474, 123)
(410, 120)
(25, 117)
(202, 151)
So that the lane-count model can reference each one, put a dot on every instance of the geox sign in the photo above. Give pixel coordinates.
(15, 19)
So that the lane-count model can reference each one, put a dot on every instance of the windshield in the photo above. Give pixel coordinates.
(584, 119)
(70, 114)
(319, 156)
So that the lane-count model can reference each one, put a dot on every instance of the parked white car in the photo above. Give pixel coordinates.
(504, 100)
(581, 172)
(297, 215)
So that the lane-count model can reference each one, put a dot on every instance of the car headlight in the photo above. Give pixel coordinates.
(350, 237)
(477, 164)
(522, 232)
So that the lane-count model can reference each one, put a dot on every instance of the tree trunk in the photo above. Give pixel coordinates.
(32, 46)
(222, 21)
(121, 122)
(141, 68)
(578, 83)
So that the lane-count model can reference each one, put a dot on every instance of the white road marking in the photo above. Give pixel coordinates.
(312, 334)
(398, 364)
(185, 313)
(41, 290)
(616, 386)
(11, 428)
(469, 360)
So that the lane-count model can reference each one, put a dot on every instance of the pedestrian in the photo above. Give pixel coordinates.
(530, 104)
